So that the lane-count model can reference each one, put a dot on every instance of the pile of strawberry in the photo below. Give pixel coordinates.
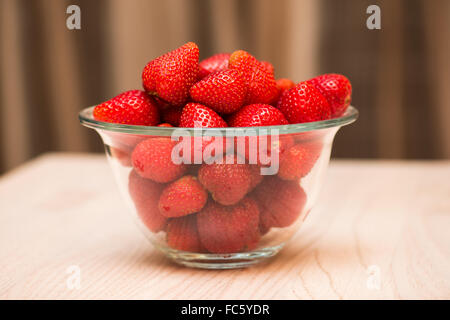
(219, 207)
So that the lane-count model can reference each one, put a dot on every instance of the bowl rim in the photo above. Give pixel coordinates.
(86, 118)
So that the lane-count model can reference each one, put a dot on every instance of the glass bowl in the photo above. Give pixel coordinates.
(219, 198)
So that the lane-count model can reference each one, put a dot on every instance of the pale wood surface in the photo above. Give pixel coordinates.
(386, 221)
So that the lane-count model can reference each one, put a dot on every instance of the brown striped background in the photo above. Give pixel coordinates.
(400, 74)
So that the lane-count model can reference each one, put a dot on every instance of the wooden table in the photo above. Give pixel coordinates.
(381, 229)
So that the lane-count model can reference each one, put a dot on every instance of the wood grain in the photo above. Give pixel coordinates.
(383, 223)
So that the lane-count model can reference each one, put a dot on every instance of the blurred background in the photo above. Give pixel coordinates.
(400, 74)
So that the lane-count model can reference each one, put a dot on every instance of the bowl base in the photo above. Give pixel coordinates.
(220, 261)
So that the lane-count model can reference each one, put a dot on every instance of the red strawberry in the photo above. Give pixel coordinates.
(275, 145)
(223, 91)
(149, 75)
(172, 116)
(133, 107)
(171, 75)
(217, 62)
(268, 66)
(261, 86)
(168, 125)
(145, 195)
(298, 160)
(217, 147)
(255, 115)
(152, 159)
(204, 149)
(280, 202)
(227, 229)
(304, 103)
(283, 85)
(228, 182)
(281, 143)
(182, 197)
(261, 149)
(196, 115)
(277, 102)
(182, 234)
(337, 89)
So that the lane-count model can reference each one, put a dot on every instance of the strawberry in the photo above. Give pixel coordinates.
(261, 86)
(152, 159)
(261, 149)
(283, 85)
(171, 75)
(182, 234)
(277, 145)
(132, 107)
(337, 89)
(182, 197)
(145, 195)
(167, 125)
(277, 102)
(280, 202)
(172, 116)
(257, 115)
(217, 62)
(268, 66)
(227, 229)
(223, 91)
(228, 182)
(204, 148)
(196, 115)
(304, 103)
(298, 160)
(150, 73)
(281, 143)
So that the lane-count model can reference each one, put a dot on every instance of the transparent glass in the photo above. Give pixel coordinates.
(287, 165)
